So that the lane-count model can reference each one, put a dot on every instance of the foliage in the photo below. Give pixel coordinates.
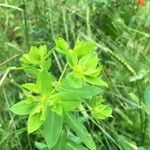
(119, 29)
(50, 103)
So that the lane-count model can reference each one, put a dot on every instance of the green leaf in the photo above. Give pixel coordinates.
(44, 82)
(102, 111)
(41, 146)
(93, 72)
(74, 80)
(62, 142)
(34, 55)
(25, 59)
(61, 45)
(84, 48)
(57, 107)
(74, 146)
(95, 81)
(42, 50)
(125, 143)
(52, 128)
(80, 130)
(71, 58)
(31, 87)
(30, 70)
(46, 64)
(70, 102)
(85, 91)
(89, 61)
(35, 119)
(23, 107)
(147, 98)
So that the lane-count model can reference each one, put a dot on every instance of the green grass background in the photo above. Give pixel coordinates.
(121, 30)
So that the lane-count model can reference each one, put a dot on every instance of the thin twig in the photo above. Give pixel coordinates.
(9, 59)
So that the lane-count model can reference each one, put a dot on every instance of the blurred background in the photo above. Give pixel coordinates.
(121, 29)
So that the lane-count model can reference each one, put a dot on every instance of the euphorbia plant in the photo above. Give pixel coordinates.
(52, 104)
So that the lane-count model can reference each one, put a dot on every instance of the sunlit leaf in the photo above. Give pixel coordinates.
(71, 58)
(35, 119)
(74, 80)
(83, 48)
(61, 45)
(70, 102)
(102, 111)
(95, 81)
(89, 61)
(23, 107)
(44, 82)
(31, 87)
(41, 146)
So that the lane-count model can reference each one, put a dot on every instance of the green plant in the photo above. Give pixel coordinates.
(53, 104)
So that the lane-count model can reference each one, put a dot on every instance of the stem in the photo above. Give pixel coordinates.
(88, 22)
(57, 61)
(63, 72)
(12, 120)
(60, 78)
(141, 114)
(5, 74)
(49, 53)
(25, 24)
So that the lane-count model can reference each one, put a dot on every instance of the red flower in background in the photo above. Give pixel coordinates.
(140, 2)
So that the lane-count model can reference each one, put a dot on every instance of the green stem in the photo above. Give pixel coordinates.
(63, 72)
(60, 78)
(141, 114)
(25, 25)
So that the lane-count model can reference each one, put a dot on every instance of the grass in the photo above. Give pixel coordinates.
(121, 31)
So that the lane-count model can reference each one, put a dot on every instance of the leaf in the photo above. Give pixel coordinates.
(84, 48)
(70, 102)
(74, 80)
(93, 72)
(102, 111)
(74, 146)
(44, 82)
(71, 58)
(80, 130)
(46, 64)
(35, 119)
(42, 50)
(34, 55)
(147, 98)
(89, 61)
(61, 45)
(41, 146)
(52, 128)
(23, 107)
(125, 143)
(31, 87)
(30, 70)
(25, 59)
(58, 108)
(95, 81)
(85, 91)
(62, 142)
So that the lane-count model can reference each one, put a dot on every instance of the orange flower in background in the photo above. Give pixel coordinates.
(140, 2)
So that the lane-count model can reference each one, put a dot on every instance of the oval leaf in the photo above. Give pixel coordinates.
(23, 107)
(52, 128)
